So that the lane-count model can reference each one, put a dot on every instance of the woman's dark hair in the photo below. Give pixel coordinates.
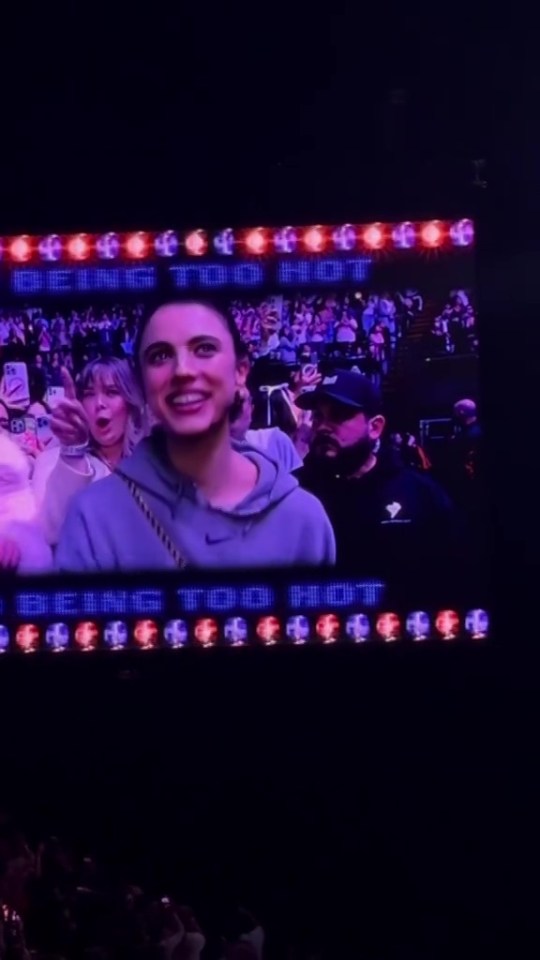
(216, 306)
(281, 414)
(37, 385)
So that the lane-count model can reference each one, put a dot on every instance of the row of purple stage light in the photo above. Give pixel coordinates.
(255, 241)
(207, 632)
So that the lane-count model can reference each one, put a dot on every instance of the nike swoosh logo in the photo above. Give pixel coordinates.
(221, 538)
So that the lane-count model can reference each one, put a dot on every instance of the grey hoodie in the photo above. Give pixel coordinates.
(278, 524)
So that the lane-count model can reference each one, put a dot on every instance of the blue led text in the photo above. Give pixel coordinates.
(207, 275)
(77, 603)
(325, 270)
(347, 593)
(83, 279)
(221, 599)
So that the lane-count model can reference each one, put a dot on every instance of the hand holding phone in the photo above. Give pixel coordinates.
(307, 376)
(16, 376)
(54, 395)
(69, 423)
(14, 388)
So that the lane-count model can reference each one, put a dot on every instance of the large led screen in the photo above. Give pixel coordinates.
(239, 403)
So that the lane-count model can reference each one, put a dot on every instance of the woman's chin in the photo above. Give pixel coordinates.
(190, 427)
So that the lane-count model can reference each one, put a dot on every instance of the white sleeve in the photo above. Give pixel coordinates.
(276, 445)
(54, 489)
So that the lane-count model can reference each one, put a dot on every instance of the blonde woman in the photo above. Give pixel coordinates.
(99, 422)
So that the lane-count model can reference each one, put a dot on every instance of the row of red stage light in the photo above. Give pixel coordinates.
(257, 241)
(236, 631)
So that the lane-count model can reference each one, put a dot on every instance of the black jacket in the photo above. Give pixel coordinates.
(390, 522)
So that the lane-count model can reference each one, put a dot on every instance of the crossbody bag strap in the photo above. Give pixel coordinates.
(171, 548)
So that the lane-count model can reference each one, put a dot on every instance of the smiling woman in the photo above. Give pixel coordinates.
(189, 494)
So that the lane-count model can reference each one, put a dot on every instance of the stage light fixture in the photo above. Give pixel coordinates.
(86, 635)
(236, 631)
(196, 243)
(373, 237)
(50, 248)
(268, 630)
(146, 634)
(4, 638)
(447, 624)
(27, 638)
(328, 628)
(176, 634)
(462, 233)
(404, 235)
(57, 637)
(432, 234)
(344, 237)
(166, 244)
(285, 240)
(20, 249)
(256, 241)
(108, 246)
(477, 624)
(358, 627)
(314, 239)
(388, 627)
(418, 625)
(137, 245)
(115, 635)
(206, 632)
(78, 247)
(224, 242)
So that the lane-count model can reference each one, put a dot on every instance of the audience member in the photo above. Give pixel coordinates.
(97, 423)
(273, 440)
(465, 457)
(375, 503)
(23, 547)
(453, 331)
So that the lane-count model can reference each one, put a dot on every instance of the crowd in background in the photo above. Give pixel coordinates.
(454, 330)
(305, 328)
(47, 339)
(298, 331)
(309, 328)
(57, 903)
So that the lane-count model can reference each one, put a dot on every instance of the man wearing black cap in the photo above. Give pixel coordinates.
(385, 517)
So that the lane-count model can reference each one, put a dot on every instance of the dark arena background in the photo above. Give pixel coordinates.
(347, 753)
